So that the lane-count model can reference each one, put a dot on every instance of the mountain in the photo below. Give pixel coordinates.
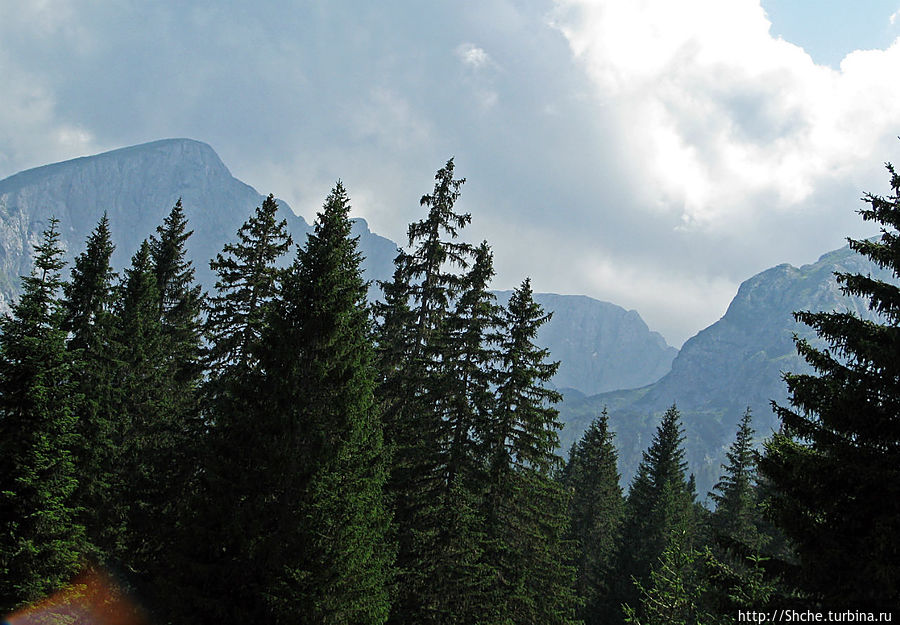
(735, 363)
(137, 186)
(602, 346)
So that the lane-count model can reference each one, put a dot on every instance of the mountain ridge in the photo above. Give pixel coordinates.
(735, 363)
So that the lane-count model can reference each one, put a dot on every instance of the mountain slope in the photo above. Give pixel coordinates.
(601, 346)
(138, 186)
(735, 363)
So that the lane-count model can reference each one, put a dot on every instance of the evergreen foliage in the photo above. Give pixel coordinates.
(674, 593)
(233, 410)
(326, 558)
(88, 319)
(414, 344)
(834, 470)
(41, 537)
(526, 507)
(180, 301)
(247, 283)
(737, 514)
(146, 420)
(660, 499)
(596, 511)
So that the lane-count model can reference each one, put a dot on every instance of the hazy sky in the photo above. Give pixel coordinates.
(650, 153)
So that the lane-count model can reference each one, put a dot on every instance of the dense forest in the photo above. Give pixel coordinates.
(282, 451)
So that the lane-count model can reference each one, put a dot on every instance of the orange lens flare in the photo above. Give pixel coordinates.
(92, 598)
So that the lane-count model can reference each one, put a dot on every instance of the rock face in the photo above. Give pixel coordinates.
(138, 186)
(601, 346)
(735, 363)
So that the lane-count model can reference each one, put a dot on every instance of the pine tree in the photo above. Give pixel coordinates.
(660, 499)
(834, 470)
(526, 508)
(41, 540)
(328, 554)
(596, 511)
(88, 319)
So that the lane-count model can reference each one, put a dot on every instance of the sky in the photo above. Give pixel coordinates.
(650, 153)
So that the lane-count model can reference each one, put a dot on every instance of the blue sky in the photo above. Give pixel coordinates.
(830, 29)
(649, 153)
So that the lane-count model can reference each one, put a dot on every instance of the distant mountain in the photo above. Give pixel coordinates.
(602, 346)
(735, 363)
(137, 186)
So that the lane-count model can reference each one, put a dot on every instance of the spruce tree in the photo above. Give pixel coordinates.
(526, 507)
(661, 498)
(88, 319)
(151, 442)
(327, 553)
(461, 393)
(247, 280)
(833, 471)
(225, 510)
(411, 341)
(737, 514)
(180, 300)
(675, 592)
(41, 539)
(595, 510)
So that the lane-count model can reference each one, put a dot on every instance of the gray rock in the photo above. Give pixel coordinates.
(601, 346)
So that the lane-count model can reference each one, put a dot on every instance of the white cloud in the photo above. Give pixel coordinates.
(894, 17)
(723, 119)
(473, 56)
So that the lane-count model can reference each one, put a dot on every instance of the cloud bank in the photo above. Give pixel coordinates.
(650, 153)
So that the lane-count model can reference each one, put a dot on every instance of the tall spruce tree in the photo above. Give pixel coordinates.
(88, 319)
(526, 507)
(227, 505)
(461, 392)
(595, 510)
(660, 499)
(180, 427)
(41, 539)
(146, 422)
(327, 554)
(833, 472)
(411, 340)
